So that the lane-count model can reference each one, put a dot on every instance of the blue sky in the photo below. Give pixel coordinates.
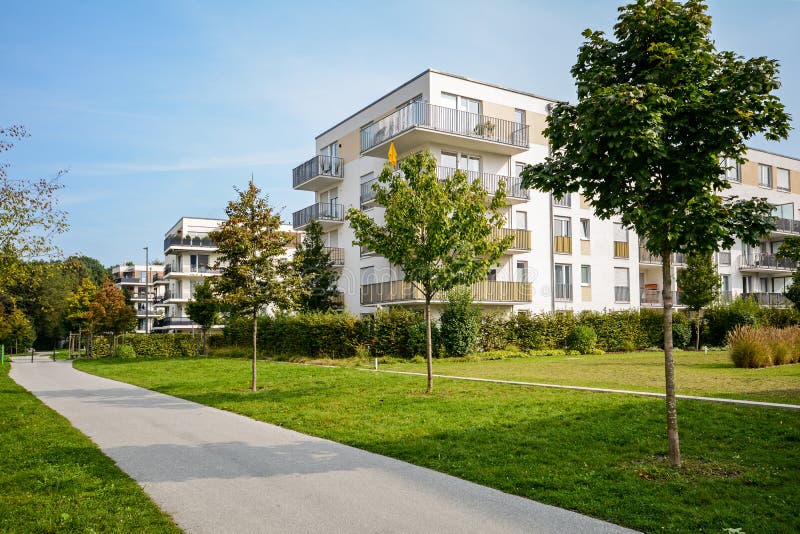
(157, 109)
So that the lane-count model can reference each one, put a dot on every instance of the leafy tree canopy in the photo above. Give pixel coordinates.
(315, 268)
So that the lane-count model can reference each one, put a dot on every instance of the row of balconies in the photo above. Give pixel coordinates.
(173, 269)
(486, 292)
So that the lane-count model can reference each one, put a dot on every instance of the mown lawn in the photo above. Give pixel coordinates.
(695, 373)
(54, 479)
(599, 454)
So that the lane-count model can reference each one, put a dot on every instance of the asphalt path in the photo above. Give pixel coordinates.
(215, 471)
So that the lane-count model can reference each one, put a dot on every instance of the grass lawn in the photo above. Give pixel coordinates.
(695, 373)
(54, 479)
(599, 454)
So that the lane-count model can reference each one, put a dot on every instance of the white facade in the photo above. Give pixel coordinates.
(141, 283)
(564, 258)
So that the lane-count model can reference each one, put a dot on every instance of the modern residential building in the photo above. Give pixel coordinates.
(562, 256)
(190, 258)
(137, 280)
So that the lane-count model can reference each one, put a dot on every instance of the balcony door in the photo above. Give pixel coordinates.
(464, 162)
(467, 116)
(328, 203)
(329, 164)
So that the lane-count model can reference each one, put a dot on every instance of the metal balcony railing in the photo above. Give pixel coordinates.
(491, 182)
(787, 225)
(191, 269)
(442, 119)
(654, 297)
(759, 261)
(336, 255)
(188, 242)
(768, 299)
(646, 257)
(564, 202)
(171, 322)
(317, 166)
(367, 193)
(318, 212)
(401, 291)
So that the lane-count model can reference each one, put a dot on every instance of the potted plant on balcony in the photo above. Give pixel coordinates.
(485, 129)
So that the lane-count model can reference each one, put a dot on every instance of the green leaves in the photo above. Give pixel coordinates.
(438, 229)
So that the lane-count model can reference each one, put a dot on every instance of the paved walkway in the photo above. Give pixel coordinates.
(215, 471)
(740, 402)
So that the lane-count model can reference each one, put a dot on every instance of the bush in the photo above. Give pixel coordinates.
(681, 335)
(459, 323)
(418, 340)
(493, 333)
(582, 339)
(124, 351)
(747, 348)
(722, 319)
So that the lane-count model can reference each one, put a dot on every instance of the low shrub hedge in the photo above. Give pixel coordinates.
(146, 346)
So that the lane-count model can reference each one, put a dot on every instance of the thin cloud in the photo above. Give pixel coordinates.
(236, 162)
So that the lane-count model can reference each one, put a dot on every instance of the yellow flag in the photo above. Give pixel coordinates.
(392, 155)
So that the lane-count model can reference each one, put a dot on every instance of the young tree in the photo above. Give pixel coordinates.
(108, 311)
(16, 330)
(315, 268)
(252, 248)
(440, 232)
(459, 322)
(203, 309)
(658, 109)
(699, 283)
(78, 305)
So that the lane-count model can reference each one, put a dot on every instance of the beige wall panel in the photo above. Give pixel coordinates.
(794, 181)
(498, 111)
(585, 203)
(750, 173)
(586, 247)
(537, 123)
(586, 293)
(351, 146)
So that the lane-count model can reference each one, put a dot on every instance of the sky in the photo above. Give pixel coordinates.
(159, 109)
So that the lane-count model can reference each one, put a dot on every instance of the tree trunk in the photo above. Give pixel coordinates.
(205, 345)
(255, 334)
(699, 323)
(429, 342)
(669, 361)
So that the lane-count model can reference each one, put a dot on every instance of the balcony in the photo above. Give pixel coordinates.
(188, 243)
(336, 255)
(418, 123)
(515, 193)
(169, 323)
(367, 194)
(172, 270)
(521, 239)
(777, 300)
(786, 226)
(652, 298)
(318, 173)
(621, 249)
(766, 262)
(401, 292)
(562, 244)
(646, 257)
(174, 296)
(328, 215)
(129, 281)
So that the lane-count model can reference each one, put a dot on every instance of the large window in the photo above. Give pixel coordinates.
(586, 230)
(563, 281)
(522, 271)
(329, 163)
(562, 227)
(564, 202)
(620, 233)
(732, 170)
(765, 176)
(783, 180)
(622, 288)
(521, 222)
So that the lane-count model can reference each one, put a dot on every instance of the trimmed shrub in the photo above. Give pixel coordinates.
(418, 340)
(493, 333)
(681, 335)
(101, 347)
(124, 351)
(582, 339)
(722, 319)
(539, 332)
(459, 323)
(747, 348)
(388, 331)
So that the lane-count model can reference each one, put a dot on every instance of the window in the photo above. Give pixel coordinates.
(518, 168)
(562, 227)
(492, 276)
(465, 162)
(732, 170)
(783, 179)
(521, 222)
(622, 289)
(563, 281)
(784, 211)
(725, 284)
(519, 116)
(564, 202)
(367, 181)
(765, 176)
(585, 229)
(724, 257)
(522, 271)
(329, 162)
(468, 119)
(586, 275)
(367, 275)
(620, 233)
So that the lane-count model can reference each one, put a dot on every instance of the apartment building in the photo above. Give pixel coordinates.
(190, 259)
(140, 282)
(562, 256)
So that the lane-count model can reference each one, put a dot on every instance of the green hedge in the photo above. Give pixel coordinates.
(149, 345)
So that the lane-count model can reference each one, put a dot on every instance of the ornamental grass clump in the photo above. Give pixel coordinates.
(747, 347)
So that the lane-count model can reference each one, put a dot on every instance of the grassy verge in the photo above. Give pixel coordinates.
(695, 373)
(598, 454)
(54, 479)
